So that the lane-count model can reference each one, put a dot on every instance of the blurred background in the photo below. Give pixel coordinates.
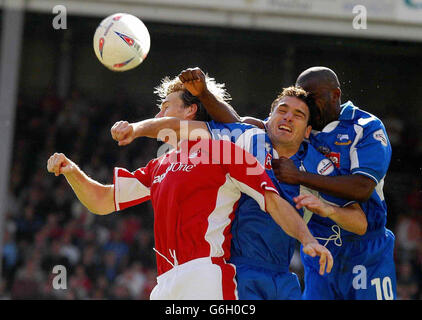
(55, 96)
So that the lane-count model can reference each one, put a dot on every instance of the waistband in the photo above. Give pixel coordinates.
(190, 263)
(369, 235)
(259, 264)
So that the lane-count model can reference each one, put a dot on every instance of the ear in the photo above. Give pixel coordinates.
(308, 132)
(191, 111)
(336, 94)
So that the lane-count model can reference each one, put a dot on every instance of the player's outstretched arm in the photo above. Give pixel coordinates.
(160, 128)
(194, 81)
(350, 218)
(353, 187)
(96, 197)
(288, 219)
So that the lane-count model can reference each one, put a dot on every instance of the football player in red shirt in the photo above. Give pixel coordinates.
(194, 191)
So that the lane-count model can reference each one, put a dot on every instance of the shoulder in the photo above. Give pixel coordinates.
(235, 130)
(361, 117)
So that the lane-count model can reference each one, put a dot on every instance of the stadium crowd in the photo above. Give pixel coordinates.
(111, 257)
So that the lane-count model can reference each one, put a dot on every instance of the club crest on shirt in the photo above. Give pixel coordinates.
(343, 140)
(380, 136)
(342, 137)
(325, 167)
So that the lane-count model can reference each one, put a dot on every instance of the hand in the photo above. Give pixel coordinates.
(123, 133)
(312, 203)
(325, 258)
(59, 164)
(286, 171)
(194, 81)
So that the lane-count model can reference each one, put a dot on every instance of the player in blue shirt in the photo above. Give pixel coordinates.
(357, 142)
(261, 250)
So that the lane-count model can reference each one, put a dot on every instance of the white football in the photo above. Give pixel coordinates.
(121, 42)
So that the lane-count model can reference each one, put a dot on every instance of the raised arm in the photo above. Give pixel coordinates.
(354, 186)
(254, 121)
(291, 222)
(167, 129)
(350, 218)
(96, 197)
(219, 110)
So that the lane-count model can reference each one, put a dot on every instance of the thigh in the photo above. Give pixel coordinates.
(254, 284)
(318, 287)
(261, 284)
(373, 276)
(288, 287)
(198, 281)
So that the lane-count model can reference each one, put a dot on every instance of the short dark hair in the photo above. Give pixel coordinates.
(301, 94)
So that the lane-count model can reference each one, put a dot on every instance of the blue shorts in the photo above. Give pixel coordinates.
(363, 269)
(255, 282)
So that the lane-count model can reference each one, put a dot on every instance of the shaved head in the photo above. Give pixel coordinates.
(318, 76)
(324, 88)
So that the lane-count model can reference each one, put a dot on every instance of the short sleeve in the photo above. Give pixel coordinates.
(131, 188)
(370, 153)
(248, 174)
(248, 137)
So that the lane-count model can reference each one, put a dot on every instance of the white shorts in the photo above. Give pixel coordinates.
(199, 279)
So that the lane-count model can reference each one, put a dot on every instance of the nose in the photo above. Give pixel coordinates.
(288, 116)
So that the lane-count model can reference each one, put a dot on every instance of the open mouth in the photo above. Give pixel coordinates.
(285, 128)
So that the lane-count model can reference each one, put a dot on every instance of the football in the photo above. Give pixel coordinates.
(121, 42)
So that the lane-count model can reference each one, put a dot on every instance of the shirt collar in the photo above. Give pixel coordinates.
(301, 152)
(348, 111)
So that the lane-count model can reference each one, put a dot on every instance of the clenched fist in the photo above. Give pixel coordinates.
(123, 132)
(286, 171)
(194, 81)
(59, 164)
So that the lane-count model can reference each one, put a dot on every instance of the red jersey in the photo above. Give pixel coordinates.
(194, 192)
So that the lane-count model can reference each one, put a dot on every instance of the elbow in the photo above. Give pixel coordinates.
(100, 211)
(364, 188)
(362, 228)
(363, 195)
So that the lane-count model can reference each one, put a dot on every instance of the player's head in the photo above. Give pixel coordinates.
(290, 118)
(176, 101)
(323, 85)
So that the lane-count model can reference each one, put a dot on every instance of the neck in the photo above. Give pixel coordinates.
(286, 150)
(332, 115)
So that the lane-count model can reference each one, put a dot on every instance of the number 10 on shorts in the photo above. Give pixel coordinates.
(383, 288)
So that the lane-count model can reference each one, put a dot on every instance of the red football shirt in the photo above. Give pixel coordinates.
(194, 192)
